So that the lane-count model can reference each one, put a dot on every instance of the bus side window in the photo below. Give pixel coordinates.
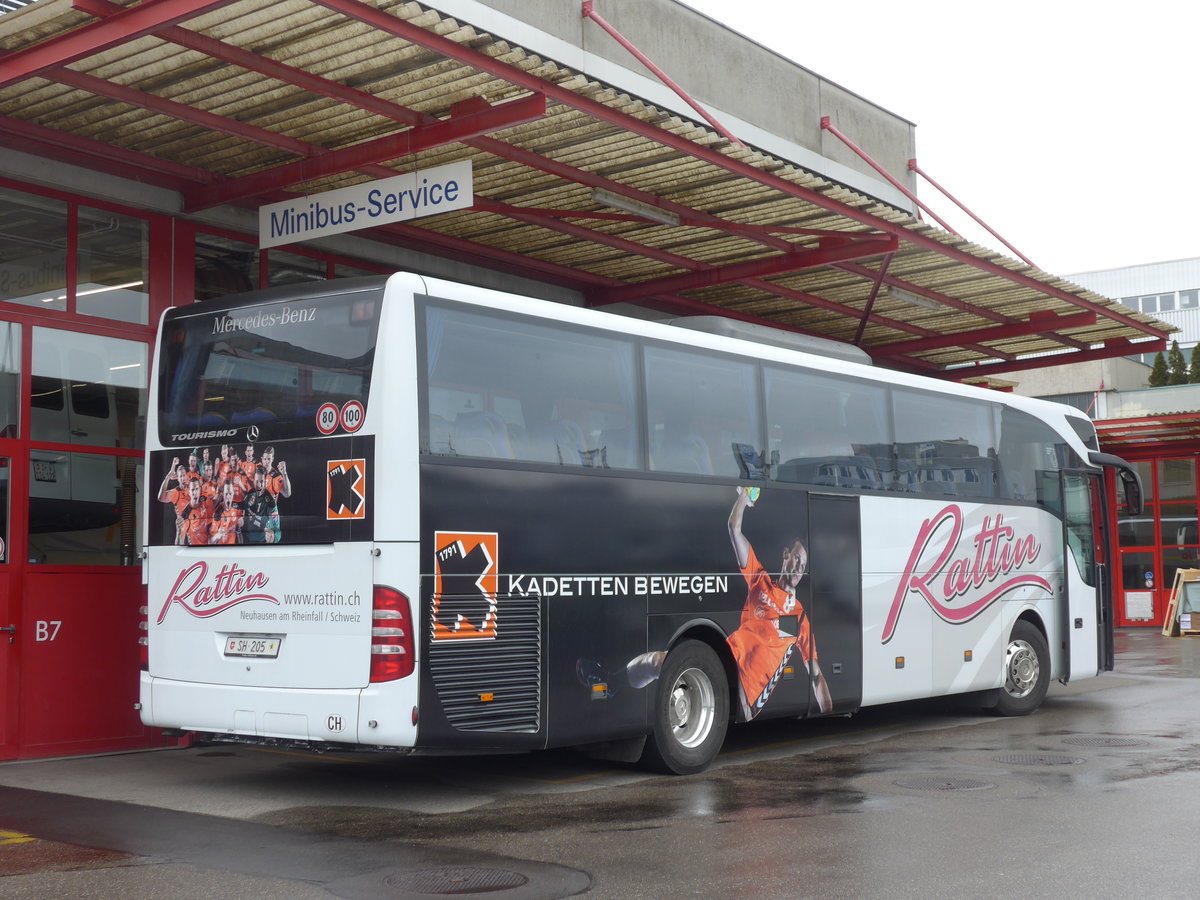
(945, 446)
(700, 408)
(828, 431)
(1030, 456)
(509, 388)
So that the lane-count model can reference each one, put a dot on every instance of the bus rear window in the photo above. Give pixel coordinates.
(273, 365)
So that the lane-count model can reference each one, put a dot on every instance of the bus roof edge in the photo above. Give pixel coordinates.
(776, 337)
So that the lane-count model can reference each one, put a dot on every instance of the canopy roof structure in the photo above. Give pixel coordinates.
(247, 102)
(1152, 435)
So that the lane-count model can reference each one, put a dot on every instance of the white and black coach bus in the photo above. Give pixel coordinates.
(409, 514)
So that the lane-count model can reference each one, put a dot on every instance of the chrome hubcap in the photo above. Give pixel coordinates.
(692, 708)
(1021, 669)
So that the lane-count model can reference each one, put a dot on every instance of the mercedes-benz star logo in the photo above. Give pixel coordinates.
(252, 433)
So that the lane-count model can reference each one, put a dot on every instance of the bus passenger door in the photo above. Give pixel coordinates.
(1086, 619)
(835, 557)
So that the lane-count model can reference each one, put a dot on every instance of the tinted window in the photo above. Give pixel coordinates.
(827, 430)
(508, 388)
(944, 445)
(1031, 455)
(272, 365)
(702, 413)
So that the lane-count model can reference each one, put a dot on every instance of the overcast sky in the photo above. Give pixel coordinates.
(1072, 128)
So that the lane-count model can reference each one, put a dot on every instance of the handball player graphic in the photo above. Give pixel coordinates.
(774, 625)
(761, 647)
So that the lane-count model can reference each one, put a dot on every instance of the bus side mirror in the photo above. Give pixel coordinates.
(1132, 486)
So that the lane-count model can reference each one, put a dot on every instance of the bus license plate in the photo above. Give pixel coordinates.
(44, 471)
(258, 646)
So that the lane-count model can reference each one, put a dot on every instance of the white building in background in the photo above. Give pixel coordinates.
(1169, 291)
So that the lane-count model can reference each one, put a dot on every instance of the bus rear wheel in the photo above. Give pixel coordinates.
(1026, 671)
(690, 713)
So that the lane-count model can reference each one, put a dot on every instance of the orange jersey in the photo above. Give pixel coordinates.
(178, 497)
(226, 525)
(197, 523)
(758, 646)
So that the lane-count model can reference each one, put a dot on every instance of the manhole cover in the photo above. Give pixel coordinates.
(456, 880)
(943, 783)
(1037, 759)
(1104, 742)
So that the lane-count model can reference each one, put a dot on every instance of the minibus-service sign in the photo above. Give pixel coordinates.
(421, 193)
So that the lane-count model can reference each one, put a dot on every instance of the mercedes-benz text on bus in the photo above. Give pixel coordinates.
(403, 513)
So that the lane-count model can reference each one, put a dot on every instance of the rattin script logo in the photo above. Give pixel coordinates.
(957, 585)
(231, 585)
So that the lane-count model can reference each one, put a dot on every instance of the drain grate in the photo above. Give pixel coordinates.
(453, 880)
(943, 783)
(1037, 759)
(1104, 742)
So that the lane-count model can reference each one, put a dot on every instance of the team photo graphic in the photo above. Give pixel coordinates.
(229, 498)
(265, 493)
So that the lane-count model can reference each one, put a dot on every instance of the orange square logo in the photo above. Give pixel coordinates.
(346, 489)
(466, 570)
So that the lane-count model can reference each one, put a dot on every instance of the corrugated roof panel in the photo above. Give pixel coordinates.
(317, 40)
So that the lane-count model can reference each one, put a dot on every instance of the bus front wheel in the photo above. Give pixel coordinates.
(1026, 671)
(690, 713)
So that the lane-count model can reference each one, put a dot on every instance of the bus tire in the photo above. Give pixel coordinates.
(690, 711)
(1026, 671)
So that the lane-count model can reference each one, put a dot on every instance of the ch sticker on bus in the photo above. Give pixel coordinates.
(346, 489)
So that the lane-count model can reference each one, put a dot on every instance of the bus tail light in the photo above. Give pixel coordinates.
(144, 638)
(392, 650)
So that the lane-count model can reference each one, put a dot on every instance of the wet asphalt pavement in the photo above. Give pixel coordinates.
(1096, 795)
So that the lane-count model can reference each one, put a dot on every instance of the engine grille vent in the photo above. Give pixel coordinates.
(492, 684)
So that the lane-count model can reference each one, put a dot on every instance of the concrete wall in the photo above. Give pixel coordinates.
(1118, 374)
(763, 98)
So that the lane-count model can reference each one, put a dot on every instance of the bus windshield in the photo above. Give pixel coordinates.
(276, 362)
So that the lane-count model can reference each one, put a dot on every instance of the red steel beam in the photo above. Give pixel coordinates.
(394, 146)
(870, 304)
(468, 55)
(71, 148)
(1112, 347)
(547, 219)
(180, 111)
(1035, 325)
(823, 254)
(1152, 449)
(955, 303)
(134, 22)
